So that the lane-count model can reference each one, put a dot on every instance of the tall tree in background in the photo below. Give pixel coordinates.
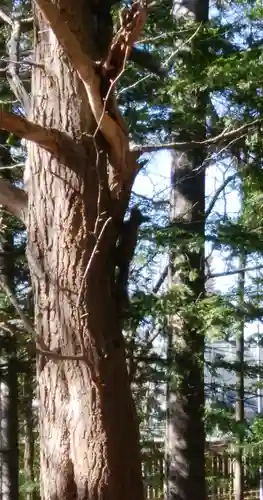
(9, 463)
(185, 440)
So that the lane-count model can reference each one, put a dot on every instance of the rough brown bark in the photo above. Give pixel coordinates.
(88, 428)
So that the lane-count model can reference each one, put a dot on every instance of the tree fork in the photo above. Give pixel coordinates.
(89, 437)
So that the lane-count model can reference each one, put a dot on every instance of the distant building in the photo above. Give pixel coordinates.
(220, 382)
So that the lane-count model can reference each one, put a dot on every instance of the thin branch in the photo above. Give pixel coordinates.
(14, 200)
(24, 62)
(11, 167)
(186, 42)
(154, 38)
(57, 356)
(161, 279)
(146, 77)
(234, 271)
(91, 259)
(218, 192)
(184, 146)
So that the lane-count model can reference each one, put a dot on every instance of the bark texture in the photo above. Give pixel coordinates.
(88, 428)
(185, 446)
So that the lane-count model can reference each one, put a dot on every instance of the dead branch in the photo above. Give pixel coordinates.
(234, 271)
(15, 82)
(14, 200)
(53, 141)
(185, 146)
(133, 20)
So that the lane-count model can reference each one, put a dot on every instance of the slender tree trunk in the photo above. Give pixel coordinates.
(29, 439)
(12, 419)
(4, 398)
(89, 439)
(239, 466)
(9, 382)
(9, 457)
(185, 443)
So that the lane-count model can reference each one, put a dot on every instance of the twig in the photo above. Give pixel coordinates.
(24, 62)
(94, 251)
(182, 45)
(218, 192)
(134, 84)
(11, 167)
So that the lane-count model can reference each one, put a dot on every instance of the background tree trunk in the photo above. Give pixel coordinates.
(29, 438)
(89, 439)
(185, 439)
(9, 362)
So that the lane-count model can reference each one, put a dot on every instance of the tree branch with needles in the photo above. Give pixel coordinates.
(224, 136)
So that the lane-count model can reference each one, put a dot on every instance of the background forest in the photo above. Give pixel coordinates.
(192, 98)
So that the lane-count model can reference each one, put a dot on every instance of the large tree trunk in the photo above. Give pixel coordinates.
(89, 436)
(185, 440)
